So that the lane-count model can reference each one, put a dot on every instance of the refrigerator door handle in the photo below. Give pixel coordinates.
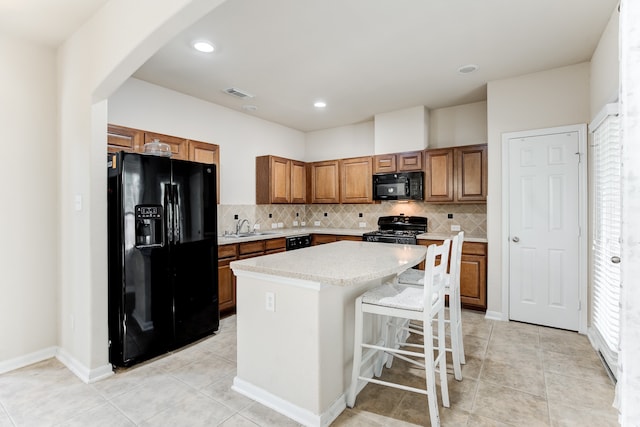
(176, 214)
(168, 206)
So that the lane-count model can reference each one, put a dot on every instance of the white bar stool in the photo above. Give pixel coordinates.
(416, 277)
(396, 301)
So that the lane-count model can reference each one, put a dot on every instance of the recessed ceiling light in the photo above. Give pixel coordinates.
(203, 46)
(320, 104)
(469, 68)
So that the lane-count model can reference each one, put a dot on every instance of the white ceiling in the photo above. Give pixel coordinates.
(362, 57)
(48, 22)
(371, 56)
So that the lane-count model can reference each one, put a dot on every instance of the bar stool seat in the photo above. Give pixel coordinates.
(395, 302)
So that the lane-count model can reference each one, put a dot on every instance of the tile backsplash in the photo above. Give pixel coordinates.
(471, 218)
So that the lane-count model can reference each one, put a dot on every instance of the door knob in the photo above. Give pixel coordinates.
(615, 259)
(516, 239)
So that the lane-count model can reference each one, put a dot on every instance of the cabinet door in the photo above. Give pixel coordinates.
(384, 163)
(325, 183)
(179, 149)
(473, 281)
(226, 278)
(226, 286)
(411, 161)
(471, 173)
(356, 180)
(298, 182)
(204, 152)
(280, 180)
(438, 181)
(120, 138)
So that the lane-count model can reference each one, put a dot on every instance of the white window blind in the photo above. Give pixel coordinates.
(606, 235)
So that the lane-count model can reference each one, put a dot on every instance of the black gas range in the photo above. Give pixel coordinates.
(398, 229)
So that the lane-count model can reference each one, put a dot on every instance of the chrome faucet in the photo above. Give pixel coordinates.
(240, 224)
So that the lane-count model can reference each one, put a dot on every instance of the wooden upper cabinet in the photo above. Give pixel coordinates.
(323, 182)
(398, 162)
(120, 138)
(280, 180)
(456, 175)
(203, 152)
(384, 163)
(178, 146)
(411, 161)
(438, 180)
(471, 173)
(356, 180)
(298, 182)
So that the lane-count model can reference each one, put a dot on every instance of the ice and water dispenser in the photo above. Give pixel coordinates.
(149, 229)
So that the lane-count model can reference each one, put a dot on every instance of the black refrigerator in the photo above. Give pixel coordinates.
(163, 275)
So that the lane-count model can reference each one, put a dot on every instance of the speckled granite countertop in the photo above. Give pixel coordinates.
(289, 232)
(341, 263)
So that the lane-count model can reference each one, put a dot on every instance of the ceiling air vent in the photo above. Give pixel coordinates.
(237, 93)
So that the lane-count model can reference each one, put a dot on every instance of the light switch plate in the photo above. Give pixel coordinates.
(316, 223)
(295, 223)
(270, 301)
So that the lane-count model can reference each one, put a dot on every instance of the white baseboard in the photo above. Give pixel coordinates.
(28, 359)
(288, 409)
(495, 315)
(81, 371)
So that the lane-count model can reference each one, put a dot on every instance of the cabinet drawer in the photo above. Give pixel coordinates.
(273, 244)
(474, 248)
(251, 247)
(227, 251)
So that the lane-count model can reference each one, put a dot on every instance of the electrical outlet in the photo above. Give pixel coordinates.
(455, 227)
(316, 223)
(274, 225)
(280, 225)
(362, 224)
(295, 223)
(302, 223)
(256, 226)
(270, 301)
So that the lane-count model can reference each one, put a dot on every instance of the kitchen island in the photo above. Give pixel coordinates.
(295, 320)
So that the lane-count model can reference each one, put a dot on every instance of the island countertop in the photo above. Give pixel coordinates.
(341, 263)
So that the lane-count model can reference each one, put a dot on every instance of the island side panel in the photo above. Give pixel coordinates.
(301, 352)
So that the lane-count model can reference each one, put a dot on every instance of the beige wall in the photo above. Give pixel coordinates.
(241, 137)
(459, 125)
(91, 65)
(340, 143)
(605, 67)
(29, 194)
(541, 100)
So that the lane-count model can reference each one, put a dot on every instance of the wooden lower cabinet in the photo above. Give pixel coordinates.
(226, 279)
(232, 252)
(473, 273)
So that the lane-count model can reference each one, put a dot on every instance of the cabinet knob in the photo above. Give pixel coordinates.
(615, 259)
(516, 239)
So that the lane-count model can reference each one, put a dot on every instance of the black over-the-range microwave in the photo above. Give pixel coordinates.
(398, 186)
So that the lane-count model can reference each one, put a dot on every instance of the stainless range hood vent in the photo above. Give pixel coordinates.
(237, 93)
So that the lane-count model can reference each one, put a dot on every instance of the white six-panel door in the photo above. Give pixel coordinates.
(544, 230)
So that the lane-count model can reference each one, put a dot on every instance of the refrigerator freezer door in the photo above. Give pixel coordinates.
(194, 254)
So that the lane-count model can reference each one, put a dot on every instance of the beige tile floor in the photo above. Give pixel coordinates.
(516, 375)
